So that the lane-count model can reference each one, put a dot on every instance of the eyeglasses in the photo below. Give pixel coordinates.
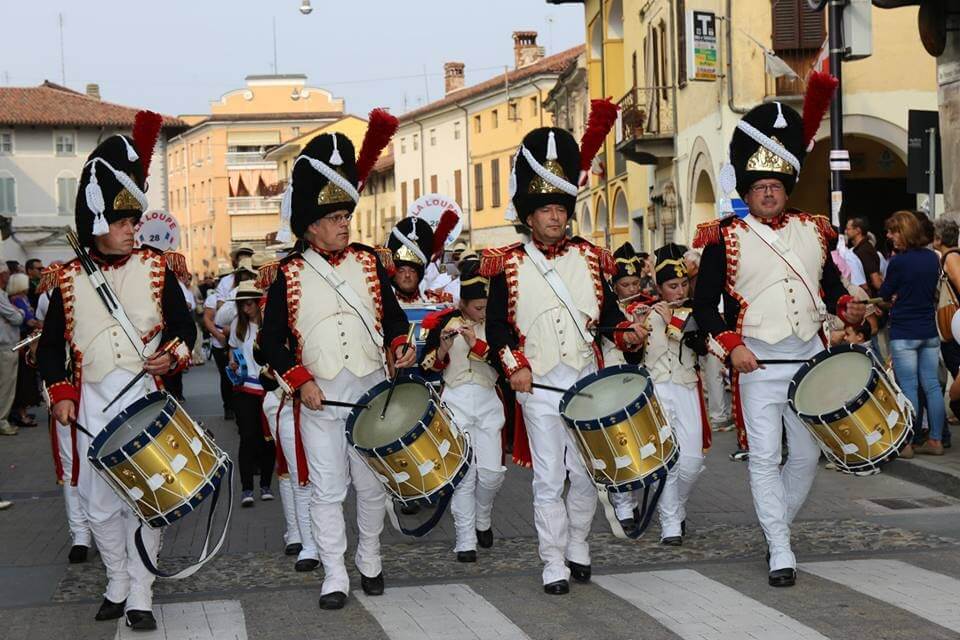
(340, 218)
(775, 187)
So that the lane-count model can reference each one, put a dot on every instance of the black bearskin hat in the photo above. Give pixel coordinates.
(312, 195)
(557, 152)
(781, 129)
(411, 243)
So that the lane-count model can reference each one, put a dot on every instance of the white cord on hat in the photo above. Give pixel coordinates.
(335, 158)
(94, 194)
(780, 122)
(408, 243)
(770, 144)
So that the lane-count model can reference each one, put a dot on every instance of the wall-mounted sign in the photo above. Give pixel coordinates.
(702, 58)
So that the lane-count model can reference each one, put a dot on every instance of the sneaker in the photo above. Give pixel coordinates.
(930, 448)
(265, 494)
(8, 430)
(907, 452)
(5, 504)
(246, 499)
(740, 455)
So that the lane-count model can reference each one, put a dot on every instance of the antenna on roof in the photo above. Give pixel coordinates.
(274, 45)
(63, 68)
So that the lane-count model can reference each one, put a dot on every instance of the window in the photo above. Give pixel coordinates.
(416, 141)
(478, 186)
(66, 143)
(433, 184)
(209, 150)
(66, 194)
(456, 130)
(457, 190)
(495, 182)
(295, 131)
(403, 195)
(6, 141)
(534, 106)
(403, 146)
(512, 111)
(680, 21)
(433, 137)
(8, 195)
(796, 26)
(416, 188)
(494, 119)
(476, 124)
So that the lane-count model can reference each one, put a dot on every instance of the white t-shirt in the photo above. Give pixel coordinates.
(224, 286)
(227, 311)
(43, 303)
(211, 303)
(251, 381)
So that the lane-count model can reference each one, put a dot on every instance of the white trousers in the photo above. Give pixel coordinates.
(718, 402)
(333, 466)
(478, 411)
(778, 493)
(112, 521)
(76, 515)
(682, 407)
(294, 498)
(562, 529)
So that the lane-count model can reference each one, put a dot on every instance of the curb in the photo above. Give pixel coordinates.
(930, 475)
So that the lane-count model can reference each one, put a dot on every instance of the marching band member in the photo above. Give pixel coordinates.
(626, 285)
(772, 263)
(457, 346)
(330, 316)
(546, 295)
(412, 244)
(256, 444)
(670, 356)
(110, 201)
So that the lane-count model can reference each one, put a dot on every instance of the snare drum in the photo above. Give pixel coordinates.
(158, 459)
(623, 436)
(416, 451)
(853, 408)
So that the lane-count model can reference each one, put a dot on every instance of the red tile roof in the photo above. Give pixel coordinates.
(556, 63)
(55, 106)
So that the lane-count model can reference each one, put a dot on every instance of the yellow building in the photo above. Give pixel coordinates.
(678, 113)
(476, 130)
(376, 212)
(221, 189)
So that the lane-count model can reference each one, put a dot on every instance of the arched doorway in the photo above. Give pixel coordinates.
(586, 224)
(602, 215)
(621, 214)
(704, 206)
(874, 188)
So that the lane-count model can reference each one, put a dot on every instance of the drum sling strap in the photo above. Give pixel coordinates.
(559, 287)
(642, 514)
(345, 291)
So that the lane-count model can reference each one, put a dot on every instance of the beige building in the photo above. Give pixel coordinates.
(220, 187)
(376, 213)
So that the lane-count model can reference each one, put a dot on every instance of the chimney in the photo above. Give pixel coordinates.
(93, 90)
(525, 49)
(452, 77)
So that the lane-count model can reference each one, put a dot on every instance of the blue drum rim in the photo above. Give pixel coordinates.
(650, 478)
(138, 443)
(406, 439)
(853, 405)
(607, 421)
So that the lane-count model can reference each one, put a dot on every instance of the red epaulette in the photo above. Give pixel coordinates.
(49, 279)
(494, 259)
(710, 232)
(176, 263)
(439, 297)
(267, 274)
(608, 263)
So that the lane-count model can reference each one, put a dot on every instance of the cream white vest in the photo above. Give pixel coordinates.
(550, 335)
(330, 335)
(99, 344)
(777, 304)
(668, 360)
(464, 369)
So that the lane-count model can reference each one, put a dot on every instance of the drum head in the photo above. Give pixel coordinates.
(409, 403)
(833, 383)
(611, 393)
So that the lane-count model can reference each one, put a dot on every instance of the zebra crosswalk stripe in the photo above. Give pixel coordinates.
(205, 620)
(693, 606)
(453, 610)
(930, 595)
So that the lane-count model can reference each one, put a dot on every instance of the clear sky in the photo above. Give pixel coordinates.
(178, 55)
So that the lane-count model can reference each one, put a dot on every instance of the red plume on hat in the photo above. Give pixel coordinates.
(448, 220)
(820, 89)
(146, 129)
(603, 115)
(380, 129)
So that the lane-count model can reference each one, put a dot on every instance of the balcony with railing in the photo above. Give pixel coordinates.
(645, 132)
(789, 87)
(252, 205)
(247, 159)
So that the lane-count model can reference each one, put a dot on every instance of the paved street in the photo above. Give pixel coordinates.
(880, 558)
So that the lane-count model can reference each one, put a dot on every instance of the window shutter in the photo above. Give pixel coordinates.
(812, 31)
(8, 203)
(786, 24)
(681, 22)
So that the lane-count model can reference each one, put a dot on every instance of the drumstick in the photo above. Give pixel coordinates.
(546, 387)
(349, 405)
(396, 374)
(170, 347)
(782, 361)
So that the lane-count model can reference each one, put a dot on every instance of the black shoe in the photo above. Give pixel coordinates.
(558, 588)
(740, 455)
(630, 528)
(485, 538)
(293, 549)
(305, 565)
(78, 554)
(579, 572)
(672, 541)
(467, 556)
(110, 610)
(782, 578)
(333, 600)
(410, 509)
(141, 620)
(372, 586)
